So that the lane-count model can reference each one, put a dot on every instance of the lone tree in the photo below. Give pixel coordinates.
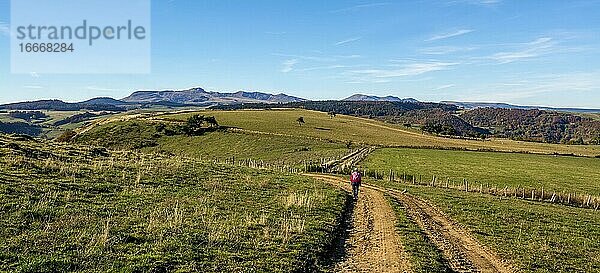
(300, 121)
(194, 126)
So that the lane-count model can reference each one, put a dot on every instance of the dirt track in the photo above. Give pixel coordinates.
(373, 244)
(463, 252)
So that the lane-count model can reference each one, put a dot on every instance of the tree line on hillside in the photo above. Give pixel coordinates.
(439, 122)
(353, 108)
(21, 128)
(28, 115)
(536, 125)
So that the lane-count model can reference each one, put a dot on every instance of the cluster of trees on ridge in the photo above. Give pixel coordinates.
(28, 115)
(536, 125)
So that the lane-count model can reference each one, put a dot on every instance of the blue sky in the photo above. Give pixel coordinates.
(544, 52)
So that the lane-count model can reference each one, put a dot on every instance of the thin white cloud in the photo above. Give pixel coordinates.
(540, 86)
(536, 48)
(405, 70)
(34, 75)
(444, 87)
(443, 50)
(327, 67)
(354, 56)
(33, 86)
(4, 28)
(360, 7)
(307, 58)
(350, 40)
(449, 35)
(486, 2)
(288, 65)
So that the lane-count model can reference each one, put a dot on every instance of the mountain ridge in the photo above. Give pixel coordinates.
(363, 97)
(200, 97)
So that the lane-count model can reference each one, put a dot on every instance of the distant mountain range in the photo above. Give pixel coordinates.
(169, 98)
(200, 97)
(361, 97)
(475, 105)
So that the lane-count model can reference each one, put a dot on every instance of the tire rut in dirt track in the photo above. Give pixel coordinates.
(463, 252)
(373, 244)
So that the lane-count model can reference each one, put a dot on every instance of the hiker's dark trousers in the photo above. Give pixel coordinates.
(355, 188)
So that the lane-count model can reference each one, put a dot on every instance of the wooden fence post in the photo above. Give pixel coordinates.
(542, 198)
(587, 203)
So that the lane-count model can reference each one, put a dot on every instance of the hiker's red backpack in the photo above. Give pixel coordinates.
(355, 177)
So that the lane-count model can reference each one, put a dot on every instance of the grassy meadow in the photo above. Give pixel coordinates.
(369, 132)
(67, 208)
(553, 173)
(221, 144)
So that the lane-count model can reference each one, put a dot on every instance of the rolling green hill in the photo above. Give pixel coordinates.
(366, 131)
(222, 144)
(82, 209)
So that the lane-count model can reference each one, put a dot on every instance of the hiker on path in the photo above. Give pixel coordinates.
(355, 180)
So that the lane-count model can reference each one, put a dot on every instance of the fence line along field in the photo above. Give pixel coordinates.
(371, 132)
(499, 170)
(68, 208)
